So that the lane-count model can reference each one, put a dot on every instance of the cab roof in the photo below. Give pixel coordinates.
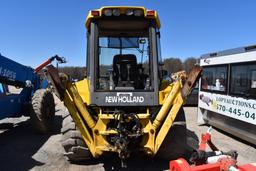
(123, 10)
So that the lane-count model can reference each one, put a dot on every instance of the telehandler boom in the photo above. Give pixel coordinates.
(34, 99)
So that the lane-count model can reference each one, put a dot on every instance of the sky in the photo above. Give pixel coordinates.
(33, 30)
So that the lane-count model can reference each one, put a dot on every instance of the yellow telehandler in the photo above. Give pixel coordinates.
(124, 105)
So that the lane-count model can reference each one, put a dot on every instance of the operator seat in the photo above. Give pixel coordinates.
(125, 71)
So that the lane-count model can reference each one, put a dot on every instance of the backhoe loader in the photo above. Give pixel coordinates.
(124, 105)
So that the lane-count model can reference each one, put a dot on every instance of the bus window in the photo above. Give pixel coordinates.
(243, 80)
(214, 78)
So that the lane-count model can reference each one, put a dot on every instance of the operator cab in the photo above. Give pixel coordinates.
(123, 59)
(123, 53)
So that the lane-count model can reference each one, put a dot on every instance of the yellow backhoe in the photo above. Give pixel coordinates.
(124, 105)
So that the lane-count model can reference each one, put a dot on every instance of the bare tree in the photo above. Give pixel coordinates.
(173, 65)
(189, 63)
(74, 72)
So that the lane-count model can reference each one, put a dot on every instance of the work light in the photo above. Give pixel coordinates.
(138, 13)
(129, 12)
(108, 12)
(116, 12)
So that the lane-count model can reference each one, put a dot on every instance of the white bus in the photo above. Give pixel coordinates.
(227, 92)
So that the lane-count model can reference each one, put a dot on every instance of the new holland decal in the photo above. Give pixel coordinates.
(124, 98)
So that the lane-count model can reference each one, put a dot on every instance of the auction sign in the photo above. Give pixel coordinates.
(235, 107)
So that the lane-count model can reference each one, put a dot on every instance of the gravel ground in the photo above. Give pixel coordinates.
(22, 149)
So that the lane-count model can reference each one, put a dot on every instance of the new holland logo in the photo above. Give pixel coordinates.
(124, 98)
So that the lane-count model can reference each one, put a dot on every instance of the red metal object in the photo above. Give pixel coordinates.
(247, 167)
(44, 64)
(41, 66)
(182, 165)
(224, 162)
(206, 139)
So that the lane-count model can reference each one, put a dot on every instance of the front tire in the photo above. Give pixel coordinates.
(175, 142)
(75, 148)
(43, 110)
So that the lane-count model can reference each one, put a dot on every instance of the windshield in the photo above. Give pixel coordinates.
(123, 63)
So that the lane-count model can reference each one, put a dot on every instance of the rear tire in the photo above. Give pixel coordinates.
(175, 142)
(72, 141)
(43, 110)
